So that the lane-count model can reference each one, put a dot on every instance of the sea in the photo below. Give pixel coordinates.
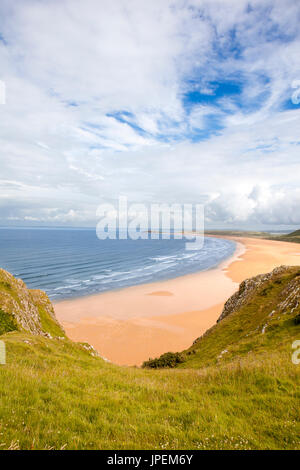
(70, 263)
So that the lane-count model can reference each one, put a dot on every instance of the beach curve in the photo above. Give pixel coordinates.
(132, 324)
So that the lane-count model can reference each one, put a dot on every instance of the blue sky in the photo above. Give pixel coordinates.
(173, 101)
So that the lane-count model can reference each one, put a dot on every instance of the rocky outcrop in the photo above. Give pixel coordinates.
(249, 286)
(291, 296)
(29, 308)
(288, 297)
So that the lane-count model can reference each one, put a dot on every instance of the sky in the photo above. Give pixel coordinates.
(182, 101)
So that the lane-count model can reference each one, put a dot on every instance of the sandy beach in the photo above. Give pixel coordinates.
(130, 325)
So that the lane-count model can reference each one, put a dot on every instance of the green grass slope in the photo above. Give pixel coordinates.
(58, 394)
(293, 237)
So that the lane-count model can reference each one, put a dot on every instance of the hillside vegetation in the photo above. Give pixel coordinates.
(291, 237)
(25, 309)
(286, 237)
(235, 388)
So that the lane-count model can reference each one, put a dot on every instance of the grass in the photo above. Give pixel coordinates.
(48, 325)
(54, 394)
(291, 237)
(7, 323)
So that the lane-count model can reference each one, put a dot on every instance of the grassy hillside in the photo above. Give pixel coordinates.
(239, 233)
(58, 394)
(293, 237)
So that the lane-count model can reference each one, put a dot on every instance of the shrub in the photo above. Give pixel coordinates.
(297, 319)
(7, 323)
(168, 359)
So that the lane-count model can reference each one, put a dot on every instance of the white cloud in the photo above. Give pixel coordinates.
(94, 108)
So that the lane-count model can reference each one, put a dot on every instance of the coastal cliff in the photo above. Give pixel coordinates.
(290, 294)
(26, 309)
(263, 314)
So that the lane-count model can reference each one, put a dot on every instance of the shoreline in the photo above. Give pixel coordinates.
(239, 249)
(121, 288)
(129, 325)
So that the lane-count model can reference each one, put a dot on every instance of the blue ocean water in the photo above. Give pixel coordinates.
(74, 262)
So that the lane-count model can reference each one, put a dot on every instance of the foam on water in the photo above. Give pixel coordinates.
(72, 263)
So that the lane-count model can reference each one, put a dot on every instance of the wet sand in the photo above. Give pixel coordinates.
(130, 325)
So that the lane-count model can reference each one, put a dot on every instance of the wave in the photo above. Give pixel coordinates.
(75, 263)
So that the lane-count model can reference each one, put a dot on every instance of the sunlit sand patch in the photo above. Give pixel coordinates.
(161, 293)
